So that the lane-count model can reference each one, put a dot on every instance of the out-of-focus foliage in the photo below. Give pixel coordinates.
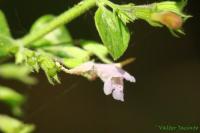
(7, 46)
(12, 98)
(60, 35)
(11, 71)
(4, 29)
(6, 42)
(42, 54)
(12, 125)
(17, 72)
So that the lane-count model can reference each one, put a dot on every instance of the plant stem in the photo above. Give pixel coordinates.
(64, 18)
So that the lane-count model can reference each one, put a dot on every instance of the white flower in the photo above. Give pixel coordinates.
(110, 74)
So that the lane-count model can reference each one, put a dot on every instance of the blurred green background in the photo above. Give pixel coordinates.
(167, 70)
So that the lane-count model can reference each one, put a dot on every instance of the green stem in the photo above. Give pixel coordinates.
(64, 18)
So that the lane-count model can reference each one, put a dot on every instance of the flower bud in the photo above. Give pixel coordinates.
(169, 19)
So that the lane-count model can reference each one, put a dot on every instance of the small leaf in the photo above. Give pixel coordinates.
(67, 51)
(12, 98)
(59, 35)
(182, 4)
(72, 62)
(4, 28)
(97, 49)
(113, 32)
(12, 125)
(72, 56)
(124, 13)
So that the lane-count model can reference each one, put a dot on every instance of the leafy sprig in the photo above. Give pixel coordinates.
(112, 22)
(40, 49)
(50, 47)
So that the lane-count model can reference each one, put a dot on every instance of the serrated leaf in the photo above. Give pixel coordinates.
(12, 98)
(113, 32)
(125, 13)
(12, 125)
(59, 35)
(4, 28)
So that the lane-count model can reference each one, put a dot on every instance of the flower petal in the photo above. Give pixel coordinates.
(129, 77)
(118, 94)
(108, 87)
(107, 71)
(118, 85)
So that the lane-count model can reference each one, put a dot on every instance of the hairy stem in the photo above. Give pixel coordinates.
(64, 18)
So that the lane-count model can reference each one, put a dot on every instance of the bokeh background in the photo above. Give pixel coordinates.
(167, 70)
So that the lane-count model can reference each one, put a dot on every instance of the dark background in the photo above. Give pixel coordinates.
(167, 70)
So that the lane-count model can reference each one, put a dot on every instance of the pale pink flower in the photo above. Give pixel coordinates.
(110, 74)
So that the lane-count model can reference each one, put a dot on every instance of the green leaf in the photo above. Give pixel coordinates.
(17, 72)
(12, 98)
(97, 49)
(125, 13)
(167, 6)
(12, 125)
(182, 4)
(7, 45)
(67, 51)
(73, 62)
(113, 32)
(72, 56)
(4, 28)
(59, 35)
